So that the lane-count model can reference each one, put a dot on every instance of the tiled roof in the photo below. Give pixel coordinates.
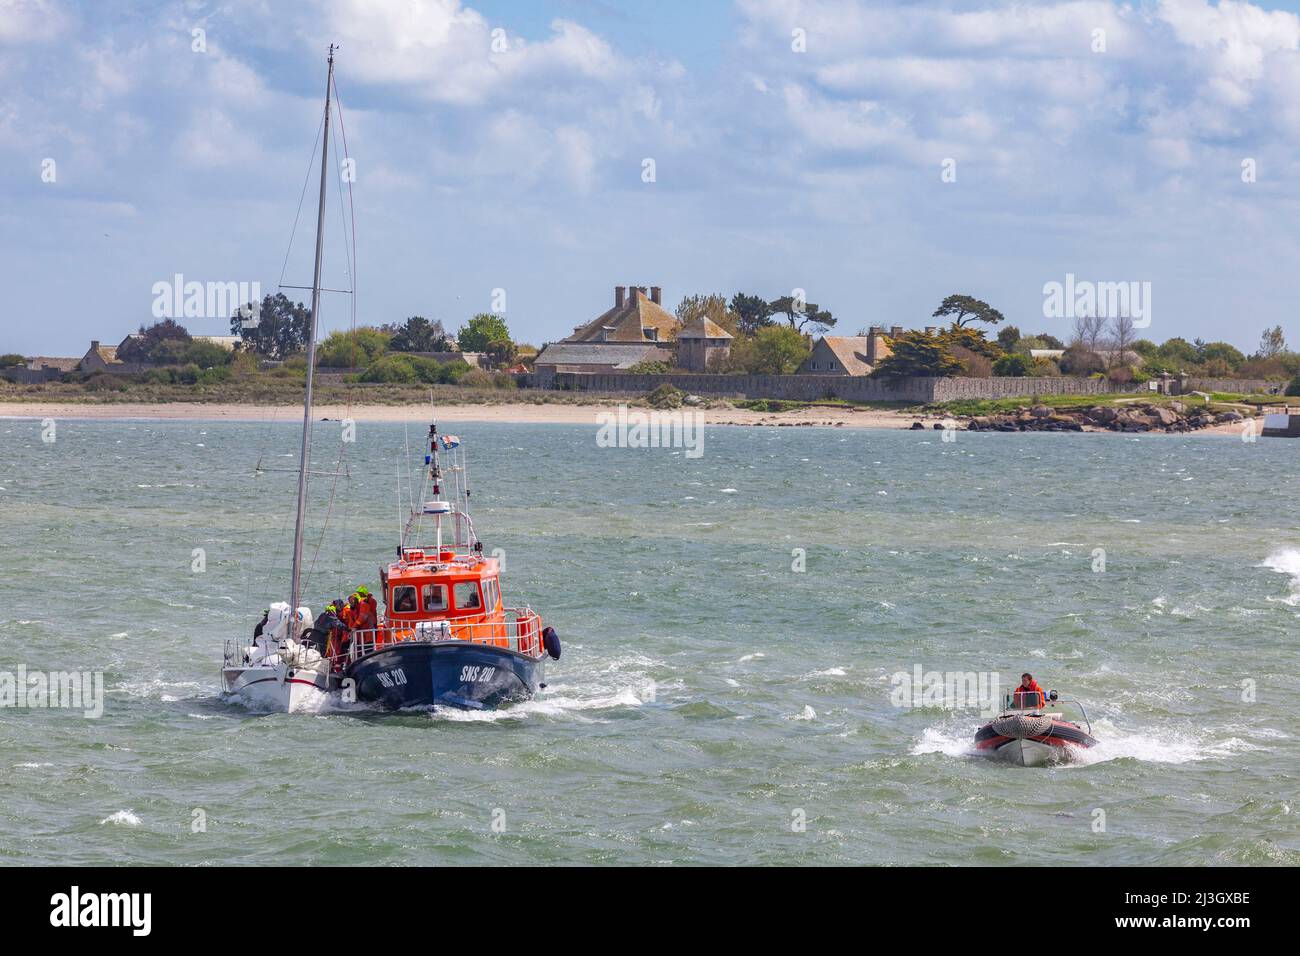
(851, 350)
(629, 323)
(37, 362)
(616, 354)
(703, 327)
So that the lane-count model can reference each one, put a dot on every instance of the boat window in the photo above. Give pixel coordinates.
(435, 597)
(467, 598)
(491, 593)
(404, 598)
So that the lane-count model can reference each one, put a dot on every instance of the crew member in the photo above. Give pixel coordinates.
(1029, 694)
(257, 631)
(369, 601)
(363, 611)
(327, 625)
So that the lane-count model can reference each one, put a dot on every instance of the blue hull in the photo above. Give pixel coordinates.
(444, 674)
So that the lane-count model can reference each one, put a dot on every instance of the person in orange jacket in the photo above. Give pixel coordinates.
(348, 613)
(1029, 694)
(368, 600)
(363, 617)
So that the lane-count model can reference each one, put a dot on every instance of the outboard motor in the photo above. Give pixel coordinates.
(551, 641)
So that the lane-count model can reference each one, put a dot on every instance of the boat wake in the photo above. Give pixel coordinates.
(1286, 561)
(954, 739)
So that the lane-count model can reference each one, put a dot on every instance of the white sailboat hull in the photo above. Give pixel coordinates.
(277, 688)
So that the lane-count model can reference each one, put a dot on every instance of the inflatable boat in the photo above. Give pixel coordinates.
(1032, 732)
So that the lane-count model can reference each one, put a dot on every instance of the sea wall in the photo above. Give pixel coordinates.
(811, 388)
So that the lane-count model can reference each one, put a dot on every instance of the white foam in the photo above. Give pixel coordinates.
(806, 714)
(1286, 561)
(123, 818)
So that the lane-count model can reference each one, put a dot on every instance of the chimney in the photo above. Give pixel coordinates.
(656, 295)
(631, 295)
(618, 297)
(94, 344)
(876, 330)
(895, 331)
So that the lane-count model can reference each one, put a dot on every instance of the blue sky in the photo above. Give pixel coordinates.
(521, 169)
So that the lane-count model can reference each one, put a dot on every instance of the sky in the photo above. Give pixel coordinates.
(877, 154)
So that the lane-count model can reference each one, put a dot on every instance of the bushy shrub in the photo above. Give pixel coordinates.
(1293, 386)
(394, 368)
(476, 378)
(665, 396)
(1079, 360)
(352, 349)
(973, 364)
(1013, 365)
(205, 354)
(504, 380)
(11, 359)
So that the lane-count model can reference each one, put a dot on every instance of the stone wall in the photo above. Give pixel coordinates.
(951, 389)
(31, 376)
(807, 388)
(814, 387)
(1238, 386)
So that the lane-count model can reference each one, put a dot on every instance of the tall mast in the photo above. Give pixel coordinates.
(304, 460)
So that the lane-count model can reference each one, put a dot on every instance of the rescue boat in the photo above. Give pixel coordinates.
(446, 638)
(1032, 729)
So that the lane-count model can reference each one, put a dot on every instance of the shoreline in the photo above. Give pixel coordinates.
(521, 413)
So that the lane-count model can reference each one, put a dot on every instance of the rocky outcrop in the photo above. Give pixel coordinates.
(1138, 417)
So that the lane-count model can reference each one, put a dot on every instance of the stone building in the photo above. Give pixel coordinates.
(636, 329)
(700, 342)
(849, 354)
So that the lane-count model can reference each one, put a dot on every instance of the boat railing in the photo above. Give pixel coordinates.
(521, 632)
(1050, 702)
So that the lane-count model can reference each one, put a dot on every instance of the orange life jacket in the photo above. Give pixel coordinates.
(1031, 696)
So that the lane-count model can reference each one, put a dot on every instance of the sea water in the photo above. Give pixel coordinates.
(732, 627)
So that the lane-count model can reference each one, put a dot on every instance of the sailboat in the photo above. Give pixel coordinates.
(278, 670)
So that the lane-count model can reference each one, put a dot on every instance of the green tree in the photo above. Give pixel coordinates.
(1013, 365)
(418, 334)
(973, 340)
(778, 350)
(712, 307)
(1272, 343)
(1008, 336)
(1222, 351)
(482, 330)
(1178, 352)
(915, 354)
(276, 329)
(802, 315)
(149, 345)
(11, 360)
(966, 308)
(353, 349)
(205, 355)
(752, 312)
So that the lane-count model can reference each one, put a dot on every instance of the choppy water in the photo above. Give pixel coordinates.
(709, 698)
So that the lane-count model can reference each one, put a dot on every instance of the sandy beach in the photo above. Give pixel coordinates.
(521, 413)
